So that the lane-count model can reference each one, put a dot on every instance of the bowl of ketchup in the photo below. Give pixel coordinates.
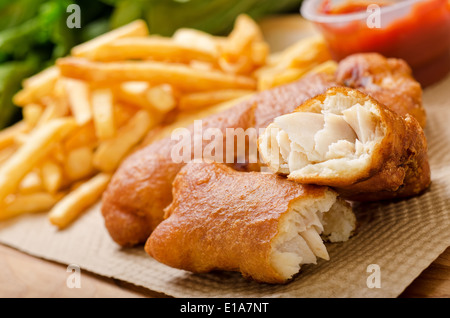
(417, 31)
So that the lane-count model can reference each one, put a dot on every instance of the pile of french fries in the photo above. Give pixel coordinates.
(309, 55)
(84, 115)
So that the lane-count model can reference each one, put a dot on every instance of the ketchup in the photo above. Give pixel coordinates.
(421, 37)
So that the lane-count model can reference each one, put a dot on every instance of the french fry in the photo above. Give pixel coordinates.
(28, 155)
(73, 204)
(52, 176)
(134, 93)
(161, 97)
(45, 76)
(110, 152)
(37, 86)
(316, 52)
(31, 183)
(133, 29)
(245, 32)
(28, 203)
(5, 153)
(123, 113)
(78, 163)
(328, 67)
(78, 95)
(32, 114)
(305, 53)
(201, 66)
(154, 48)
(103, 113)
(84, 115)
(259, 53)
(157, 100)
(271, 79)
(82, 136)
(135, 87)
(179, 75)
(293, 63)
(58, 152)
(54, 108)
(196, 39)
(204, 99)
(21, 138)
(241, 65)
(8, 135)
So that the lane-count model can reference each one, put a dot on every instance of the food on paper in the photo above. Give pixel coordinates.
(351, 142)
(133, 205)
(261, 225)
(114, 106)
(124, 213)
(98, 123)
(28, 203)
(37, 146)
(78, 200)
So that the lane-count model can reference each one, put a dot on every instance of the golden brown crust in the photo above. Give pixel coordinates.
(399, 162)
(406, 171)
(284, 99)
(133, 204)
(388, 80)
(218, 221)
(135, 197)
(141, 188)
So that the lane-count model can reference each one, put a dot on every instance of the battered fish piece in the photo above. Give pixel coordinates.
(141, 188)
(347, 140)
(133, 204)
(388, 80)
(261, 225)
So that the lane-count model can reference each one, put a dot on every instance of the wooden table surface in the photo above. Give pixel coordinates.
(23, 275)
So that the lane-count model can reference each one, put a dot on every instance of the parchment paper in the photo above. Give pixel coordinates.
(402, 238)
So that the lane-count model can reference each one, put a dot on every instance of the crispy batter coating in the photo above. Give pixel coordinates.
(388, 80)
(394, 163)
(221, 219)
(134, 201)
(141, 188)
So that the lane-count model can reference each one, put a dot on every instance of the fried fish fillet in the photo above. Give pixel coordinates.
(134, 201)
(347, 140)
(261, 225)
(132, 205)
(141, 188)
(388, 80)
